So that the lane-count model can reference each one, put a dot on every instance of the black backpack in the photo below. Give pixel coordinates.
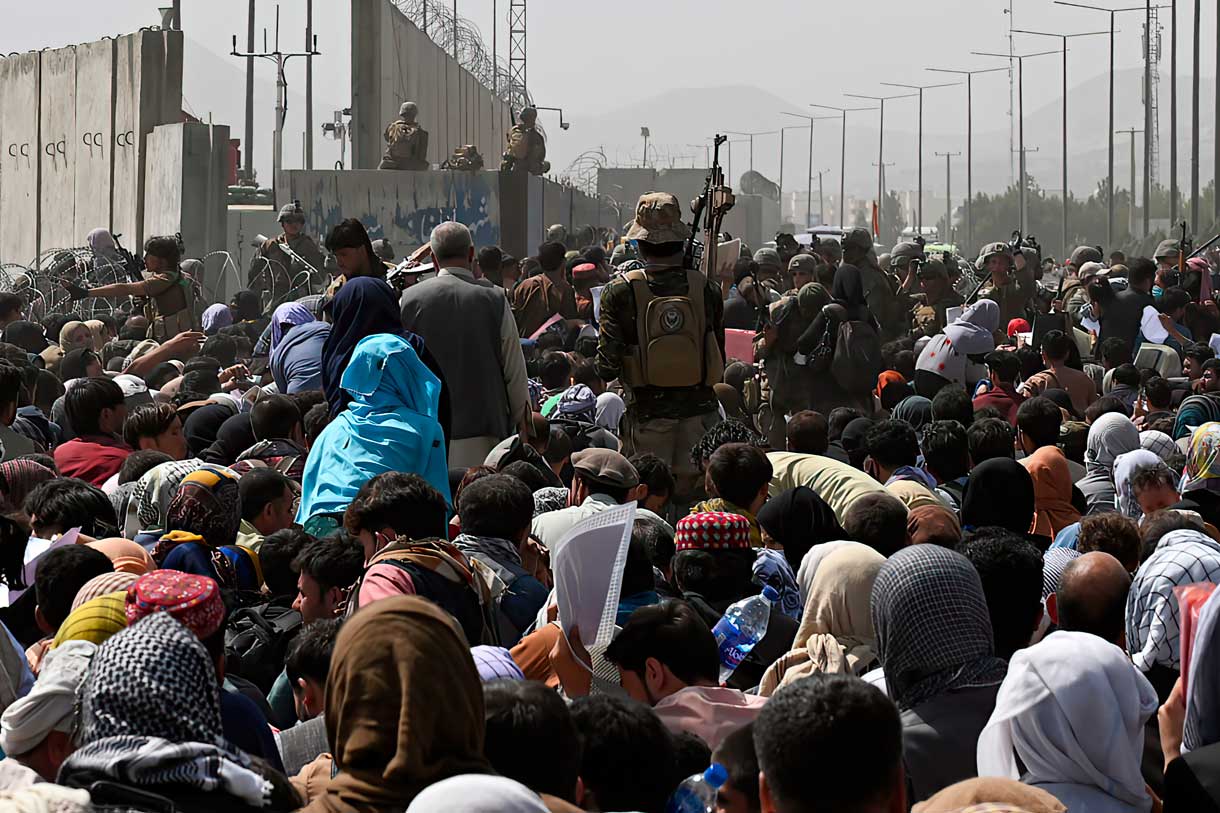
(256, 642)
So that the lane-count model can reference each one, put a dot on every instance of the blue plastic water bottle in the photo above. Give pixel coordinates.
(743, 625)
(697, 793)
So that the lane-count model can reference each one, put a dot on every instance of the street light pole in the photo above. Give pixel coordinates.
(843, 111)
(969, 141)
(1020, 119)
(948, 235)
(1194, 130)
(880, 146)
(920, 89)
(1131, 209)
(1112, 131)
(1064, 38)
(809, 180)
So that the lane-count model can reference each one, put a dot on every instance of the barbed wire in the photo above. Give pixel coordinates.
(435, 20)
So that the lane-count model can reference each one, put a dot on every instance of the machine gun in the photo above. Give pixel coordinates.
(716, 200)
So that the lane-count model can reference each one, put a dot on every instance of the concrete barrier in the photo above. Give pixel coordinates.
(94, 147)
(19, 198)
(57, 150)
(185, 184)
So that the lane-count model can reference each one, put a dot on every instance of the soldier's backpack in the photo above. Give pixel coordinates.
(257, 639)
(676, 347)
(857, 357)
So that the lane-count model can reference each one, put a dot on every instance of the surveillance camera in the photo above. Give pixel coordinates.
(565, 125)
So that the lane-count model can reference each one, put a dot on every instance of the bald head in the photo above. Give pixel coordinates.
(1092, 596)
(452, 246)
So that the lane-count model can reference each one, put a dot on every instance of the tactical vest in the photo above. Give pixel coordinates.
(675, 346)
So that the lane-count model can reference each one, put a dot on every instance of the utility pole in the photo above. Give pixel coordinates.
(281, 93)
(1131, 209)
(1020, 120)
(947, 237)
(809, 127)
(248, 144)
(751, 137)
(1173, 110)
(969, 142)
(1110, 128)
(1194, 129)
(1024, 214)
(821, 199)
(309, 47)
(1148, 115)
(880, 145)
(1064, 38)
(842, 154)
(809, 181)
(920, 89)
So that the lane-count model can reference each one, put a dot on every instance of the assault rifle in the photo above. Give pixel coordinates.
(716, 200)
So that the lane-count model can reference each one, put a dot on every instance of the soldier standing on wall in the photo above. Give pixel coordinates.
(662, 337)
(169, 292)
(277, 272)
(406, 142)
(526, 146)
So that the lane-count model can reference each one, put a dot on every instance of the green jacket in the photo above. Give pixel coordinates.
(618, 335)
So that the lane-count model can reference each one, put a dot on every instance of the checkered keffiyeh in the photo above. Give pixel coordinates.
(193, 600)
(1159, 444)
(933, 631)
(712, 530)
(1181, 558)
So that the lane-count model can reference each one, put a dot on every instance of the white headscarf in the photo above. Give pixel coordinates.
(610, 409)
(477, 793)
(50, 705)
(1110, 435)
(1072, 709)
(1125, 467)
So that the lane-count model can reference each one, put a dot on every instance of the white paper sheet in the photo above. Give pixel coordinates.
(1091, 324)
(596, 293)
(1151, 327)
(588, 566)
(1214, 343)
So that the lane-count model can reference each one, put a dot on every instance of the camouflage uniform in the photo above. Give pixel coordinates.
(274, 272)
(526, 147)
(406, 142)
(888, 306)
(666, 421)
(930, 319)
(1009, 296)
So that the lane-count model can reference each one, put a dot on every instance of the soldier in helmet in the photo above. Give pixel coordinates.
(905, 262)
(831, 252)
(526, 147)
(406, 142)
(662, 336)
(273, 270)
(996, 260)
(935, 298)
(888, 306)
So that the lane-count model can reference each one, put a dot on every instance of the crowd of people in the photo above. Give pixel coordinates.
(297, 555)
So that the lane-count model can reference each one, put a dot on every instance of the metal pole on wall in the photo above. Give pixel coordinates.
(1173, 111)
(309, 84)
(1148, 34)
(248, 145)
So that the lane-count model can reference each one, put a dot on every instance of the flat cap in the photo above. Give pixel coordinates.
(1167, 249)
(606, 467)
(658, 219)
(1085, 254)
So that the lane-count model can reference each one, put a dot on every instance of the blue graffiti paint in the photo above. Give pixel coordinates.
(407, 222)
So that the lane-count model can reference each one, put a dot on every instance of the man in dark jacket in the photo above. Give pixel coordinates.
(1121, 316)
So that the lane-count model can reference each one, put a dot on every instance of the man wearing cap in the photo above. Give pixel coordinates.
(1074, 298)
(930, 313)
(584, 279)
(526, 148)
(668, 358)
(770, 269)
(406, 141)
(831, 252)
(274, 270)
(601, 479)
(802, 270)
(905, 261)
(880, 289)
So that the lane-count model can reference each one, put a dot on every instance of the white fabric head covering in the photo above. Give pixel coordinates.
(1073, 710)
(973, 331)
(477, 793)
(50, 704)
(1125, 467)
(610, 409)
(1181, 557)
(1109, 436)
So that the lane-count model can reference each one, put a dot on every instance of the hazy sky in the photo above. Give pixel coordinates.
(590, 57)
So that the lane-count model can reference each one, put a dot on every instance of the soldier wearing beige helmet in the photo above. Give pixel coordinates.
(662, 337)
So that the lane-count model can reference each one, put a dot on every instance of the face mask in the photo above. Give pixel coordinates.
(1157, 291)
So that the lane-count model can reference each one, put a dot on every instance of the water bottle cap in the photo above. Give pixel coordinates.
(716, 775)
(770, 594)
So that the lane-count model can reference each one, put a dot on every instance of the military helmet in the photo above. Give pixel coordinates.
(292, 212)
(658, 219)
(996, 249)
(1167, 250)
(905, 252)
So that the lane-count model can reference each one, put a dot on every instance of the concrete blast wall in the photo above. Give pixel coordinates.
(395, 62)
(185, 183)
(73, 126)
(400, 206)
